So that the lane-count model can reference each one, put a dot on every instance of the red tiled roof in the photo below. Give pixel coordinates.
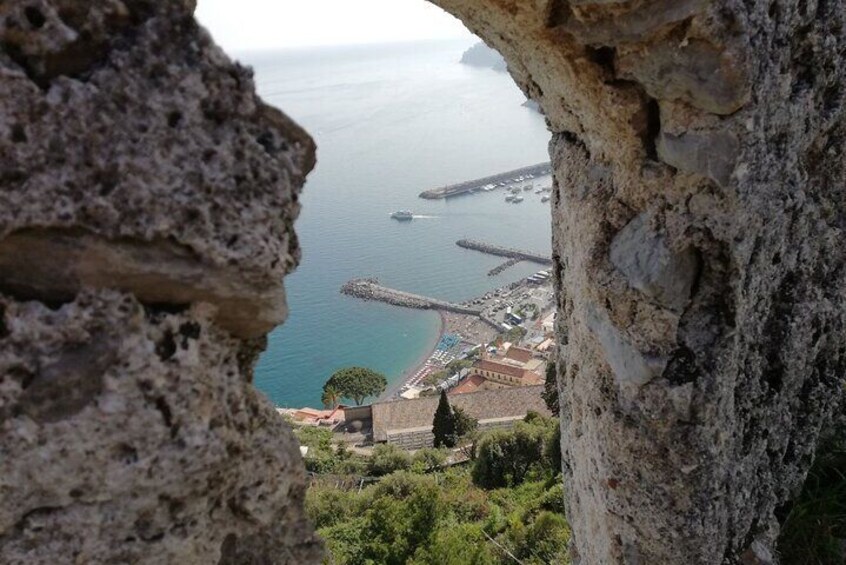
(470, 384)
(519, 354)
(497, 367)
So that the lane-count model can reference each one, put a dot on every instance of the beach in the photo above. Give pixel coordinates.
(472, 331)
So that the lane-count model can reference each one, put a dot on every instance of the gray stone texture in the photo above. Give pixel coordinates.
(122, 121)
(135, 155)
(147, 198)
(642, 256)
(722, 120)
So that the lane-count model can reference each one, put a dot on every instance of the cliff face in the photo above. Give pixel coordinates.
(146, 207)
(147, 198)
(700, 255)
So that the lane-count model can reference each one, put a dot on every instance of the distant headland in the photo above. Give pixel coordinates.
(480, 55)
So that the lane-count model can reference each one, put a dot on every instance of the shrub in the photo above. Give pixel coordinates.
(403, 515)
(430, 459)
(814, 529)
(386, 459)
(505, 457)
(327, 506)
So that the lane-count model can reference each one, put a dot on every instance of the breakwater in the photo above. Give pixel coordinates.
(370, 289)
(510, 176)
(498, 269)
(504, 251)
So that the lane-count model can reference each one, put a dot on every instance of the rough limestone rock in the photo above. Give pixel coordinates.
(147, 198)
(702, 352)
(129, 138)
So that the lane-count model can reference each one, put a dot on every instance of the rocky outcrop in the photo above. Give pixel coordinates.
(480, 55)
(699, 252)
(147, 198)
(146, 205)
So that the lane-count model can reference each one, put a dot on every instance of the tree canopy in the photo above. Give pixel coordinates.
(451, 424)
(356, 383)
(443, 425)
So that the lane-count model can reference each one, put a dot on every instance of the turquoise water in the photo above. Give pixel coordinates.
(391, 121)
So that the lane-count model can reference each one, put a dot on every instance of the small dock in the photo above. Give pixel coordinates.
(538, 170)
(370, 289)
(504, 251)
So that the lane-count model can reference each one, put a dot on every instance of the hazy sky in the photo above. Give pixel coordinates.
(266, 24)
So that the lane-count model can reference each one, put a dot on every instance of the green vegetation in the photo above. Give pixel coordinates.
(439, 519)
(323, 457)
(457, 364)
(356, 383)
(507, 458)
(450, 424)
(330, 397)
(814, 531)
(387, 459)
(443, 425)
(433, 379)
(421, 514)
(514, 335)
(528, 310)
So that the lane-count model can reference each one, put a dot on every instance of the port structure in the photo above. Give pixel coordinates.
(509, 177)
(504, 251)
(370, 289)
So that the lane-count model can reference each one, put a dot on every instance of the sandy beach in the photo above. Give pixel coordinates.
(472, 330)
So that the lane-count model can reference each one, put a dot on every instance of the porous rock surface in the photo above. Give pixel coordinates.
(147, 198)
(698, 239)
(122, 124)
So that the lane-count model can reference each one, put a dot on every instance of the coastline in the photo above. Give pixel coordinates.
(406, 375)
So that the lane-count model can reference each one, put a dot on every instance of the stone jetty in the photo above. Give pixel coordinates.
(500, 268)
(504, 251)
(370, 289)
(538, 170)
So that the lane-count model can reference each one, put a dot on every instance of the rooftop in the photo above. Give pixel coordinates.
(512, 402)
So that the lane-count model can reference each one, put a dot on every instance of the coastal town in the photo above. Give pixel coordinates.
(491, 360)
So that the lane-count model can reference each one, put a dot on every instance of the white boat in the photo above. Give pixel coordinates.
(518, 199)
(527, 188)
(510, 198)
(545, 198)
(402, 215)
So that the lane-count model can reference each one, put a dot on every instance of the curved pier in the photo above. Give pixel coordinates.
(370, 289)
(540, 169)
(504, 251)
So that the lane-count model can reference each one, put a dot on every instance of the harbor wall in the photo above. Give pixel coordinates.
(504, 251)
(455, 189)
(370, 289)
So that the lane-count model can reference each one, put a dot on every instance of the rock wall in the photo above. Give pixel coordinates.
(147, 198)
(698, 239)
(146, 206)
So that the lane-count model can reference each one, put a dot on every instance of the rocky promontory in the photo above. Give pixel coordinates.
(480, 55)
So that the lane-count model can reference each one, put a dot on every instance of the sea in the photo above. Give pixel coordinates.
(390, 121)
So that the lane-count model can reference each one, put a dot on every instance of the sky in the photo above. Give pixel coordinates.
(247, 25)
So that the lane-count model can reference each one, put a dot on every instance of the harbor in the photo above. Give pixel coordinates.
(489, 183)
(526, 303)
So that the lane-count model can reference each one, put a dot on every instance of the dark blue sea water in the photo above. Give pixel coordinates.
(390, 121)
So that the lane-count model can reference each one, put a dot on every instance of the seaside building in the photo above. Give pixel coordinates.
(506, 373)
